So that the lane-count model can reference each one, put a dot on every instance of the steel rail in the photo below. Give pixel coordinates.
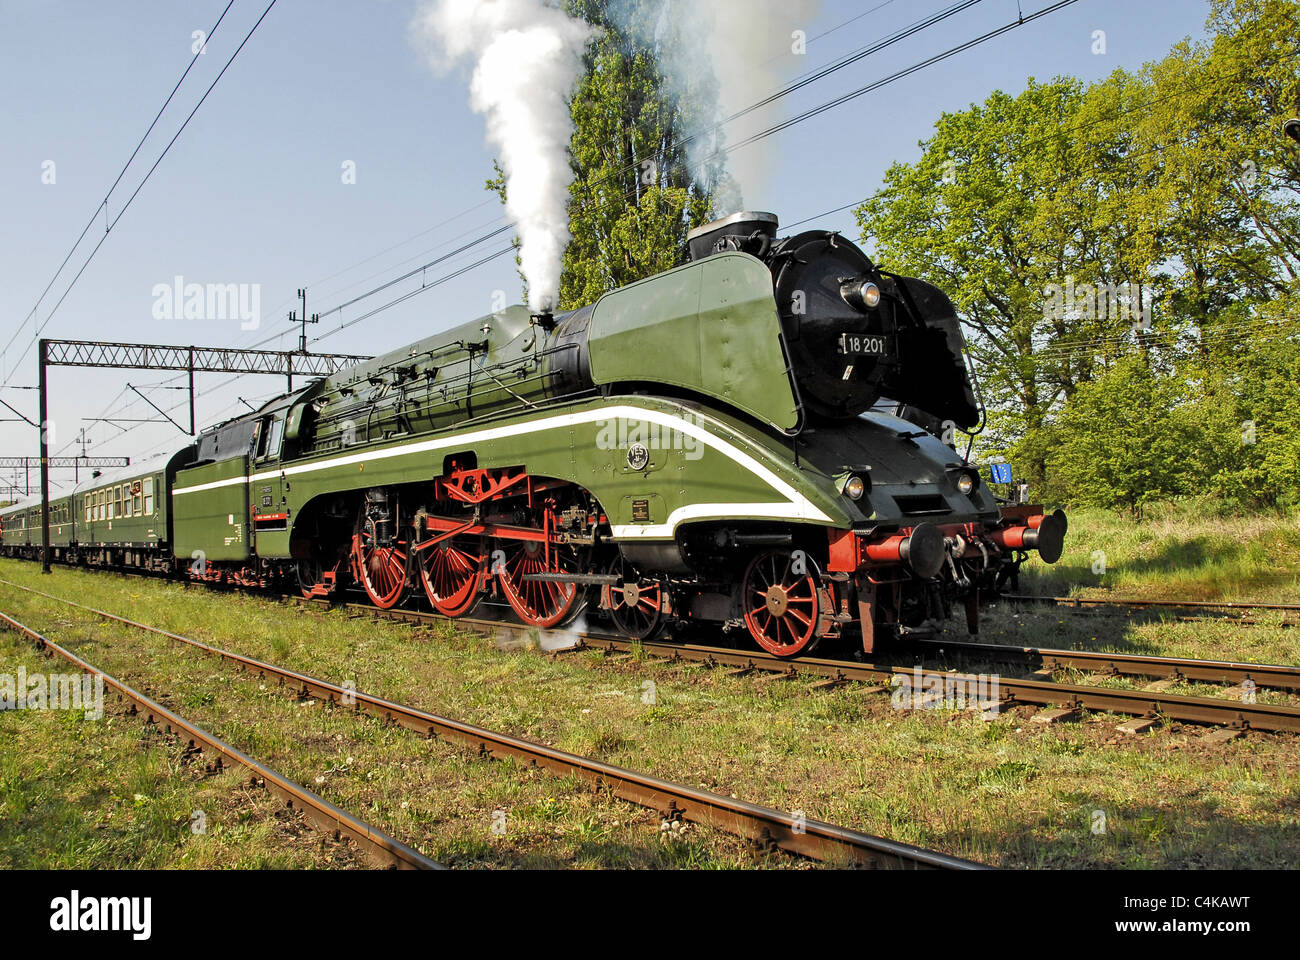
(764, 826)
(330, 818)
(1139, 703)
(1275, 676)
(1080, 602)
(1200, 710)
(1013, 690)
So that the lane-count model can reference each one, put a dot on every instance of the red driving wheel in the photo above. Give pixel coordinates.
(381, 568)
(538, 603)
(781, 606)
(452, 573)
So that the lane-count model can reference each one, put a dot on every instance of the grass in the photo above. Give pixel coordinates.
(1178, 552)
(115, 793)
(427, 793)
(1004, 792)
(1182, 551)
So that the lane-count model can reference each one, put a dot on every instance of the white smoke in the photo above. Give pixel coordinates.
(527, 57)
(722, 56)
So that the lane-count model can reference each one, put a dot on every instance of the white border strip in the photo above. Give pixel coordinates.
(795, 507)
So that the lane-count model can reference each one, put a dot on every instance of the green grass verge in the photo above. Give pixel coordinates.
(1178, 551)
(1005, 792)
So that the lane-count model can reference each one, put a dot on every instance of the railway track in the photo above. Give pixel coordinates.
(1013, 690)
(377, 846)
(1263, 675)
(766, 827)
(1219, 610)
(1158, 705)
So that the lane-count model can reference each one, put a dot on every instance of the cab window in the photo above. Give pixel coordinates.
(269, 434)
(276, 435)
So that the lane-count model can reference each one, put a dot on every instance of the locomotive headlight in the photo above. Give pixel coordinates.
(860, 294)
(967, 482)
(855, 487)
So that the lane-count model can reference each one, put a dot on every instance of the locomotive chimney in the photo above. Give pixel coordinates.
(749, 230)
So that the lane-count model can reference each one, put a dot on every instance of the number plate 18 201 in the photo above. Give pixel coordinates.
(863, 343)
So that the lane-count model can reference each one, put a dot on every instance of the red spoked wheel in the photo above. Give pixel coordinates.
(635, 603)
(781, 606)
(382, 567)
(452, 572)
(539, 603)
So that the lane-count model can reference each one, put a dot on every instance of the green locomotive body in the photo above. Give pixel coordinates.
(759, 438)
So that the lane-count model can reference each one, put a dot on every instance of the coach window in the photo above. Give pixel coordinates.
(137, 499)
(148, 496)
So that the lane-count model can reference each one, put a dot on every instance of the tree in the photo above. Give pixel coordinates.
(1173, 180)
(1002, 212)
(1124, 439)
(634, 197)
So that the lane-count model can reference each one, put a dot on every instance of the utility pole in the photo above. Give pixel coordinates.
(42, 355)
(76, 470)
(302, 336)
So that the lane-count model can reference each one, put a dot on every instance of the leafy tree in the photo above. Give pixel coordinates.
(1006, 203)
(1174, 177)
(634, 197)
(1124, 439)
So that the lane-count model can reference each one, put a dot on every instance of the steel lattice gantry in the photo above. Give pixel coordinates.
(65, 463)
(153, 356)
(60, 463)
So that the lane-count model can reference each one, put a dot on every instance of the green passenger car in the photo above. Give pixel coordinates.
(123, 516)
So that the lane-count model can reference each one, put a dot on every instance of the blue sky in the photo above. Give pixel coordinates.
(253, 191)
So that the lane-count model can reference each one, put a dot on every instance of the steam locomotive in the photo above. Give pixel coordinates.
(754, 439)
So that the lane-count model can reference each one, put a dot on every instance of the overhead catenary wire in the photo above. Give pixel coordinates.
(729, 148)
(121, 173)
(140, 186)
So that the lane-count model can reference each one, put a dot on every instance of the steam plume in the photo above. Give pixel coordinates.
(721, 56)
(527, 57)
